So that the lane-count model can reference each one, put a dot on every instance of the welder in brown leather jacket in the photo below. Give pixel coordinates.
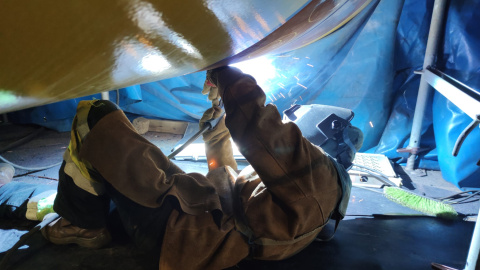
(270, 211)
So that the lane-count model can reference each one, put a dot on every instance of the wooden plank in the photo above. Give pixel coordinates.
(166, 126)
(142, 125)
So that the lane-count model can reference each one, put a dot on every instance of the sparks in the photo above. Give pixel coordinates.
(296, 58)
(296, 78)
(371, 124)
(302, 86)
(300, 98)
(282, 95)
(309, 65)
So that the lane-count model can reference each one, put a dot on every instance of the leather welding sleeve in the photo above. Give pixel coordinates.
(140, 171)
(218, 146)
(299, 187)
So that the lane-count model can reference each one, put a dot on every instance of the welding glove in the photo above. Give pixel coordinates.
(212, 91)
(218, 146)
(218, 81)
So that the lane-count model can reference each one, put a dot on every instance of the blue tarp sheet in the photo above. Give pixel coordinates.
(367, 65)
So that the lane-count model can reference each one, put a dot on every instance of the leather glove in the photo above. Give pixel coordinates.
(211, 113)
(217, 141)
(212, 91)
(218, 80)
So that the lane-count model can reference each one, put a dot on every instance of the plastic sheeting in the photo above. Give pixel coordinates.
(59, 115)
(367, 66)
(443, 122)
(461, 60)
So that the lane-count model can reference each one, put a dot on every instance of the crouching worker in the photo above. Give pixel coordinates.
(270, 211)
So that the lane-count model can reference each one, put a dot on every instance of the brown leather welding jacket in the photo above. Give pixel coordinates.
(290, 192)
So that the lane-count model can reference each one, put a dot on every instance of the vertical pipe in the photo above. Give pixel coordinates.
(105, 96)
(424, 90)
(474, 250)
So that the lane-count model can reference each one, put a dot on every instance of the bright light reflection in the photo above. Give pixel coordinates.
(150, 20)
(196, 151)
(155, 63)
(6, 97)
(261, 69)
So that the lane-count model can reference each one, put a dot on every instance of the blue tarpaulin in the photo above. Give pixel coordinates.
(367, 65)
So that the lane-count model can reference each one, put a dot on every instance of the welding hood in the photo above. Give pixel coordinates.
(328, 127)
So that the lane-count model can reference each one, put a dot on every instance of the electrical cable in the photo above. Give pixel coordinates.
(462, 199)
(456, 194)
(370, 169)
(22, 140)
(379, 177)
(30, 168)
(46, 220)
(387, 181)
(369, 189)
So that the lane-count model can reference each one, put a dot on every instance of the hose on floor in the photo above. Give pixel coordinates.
(20, 142)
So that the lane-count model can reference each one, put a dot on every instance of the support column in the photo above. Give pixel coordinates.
(424, 90)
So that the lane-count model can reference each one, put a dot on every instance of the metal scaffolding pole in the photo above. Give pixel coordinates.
(105, 96)
(424, 90)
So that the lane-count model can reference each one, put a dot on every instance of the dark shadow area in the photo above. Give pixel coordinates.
(406, 180)
(383, 242)
(366, 242)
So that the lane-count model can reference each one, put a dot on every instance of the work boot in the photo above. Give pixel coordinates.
(62, 232)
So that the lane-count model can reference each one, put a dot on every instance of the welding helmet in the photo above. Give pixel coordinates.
(328, 127)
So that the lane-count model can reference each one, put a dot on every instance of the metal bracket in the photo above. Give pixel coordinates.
(463, 96)
(464, 135)
(412, 150)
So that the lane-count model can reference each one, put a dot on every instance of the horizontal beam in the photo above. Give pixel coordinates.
(463, 96)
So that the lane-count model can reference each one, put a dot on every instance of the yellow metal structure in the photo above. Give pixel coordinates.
(56, 50)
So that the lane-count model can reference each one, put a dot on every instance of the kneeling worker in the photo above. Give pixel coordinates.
(273, 209)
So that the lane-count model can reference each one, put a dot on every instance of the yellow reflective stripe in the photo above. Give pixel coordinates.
(79, 132)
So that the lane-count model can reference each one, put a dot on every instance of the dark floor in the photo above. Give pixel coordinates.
(376, 234)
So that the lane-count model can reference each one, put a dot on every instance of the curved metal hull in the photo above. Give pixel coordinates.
(56, 50)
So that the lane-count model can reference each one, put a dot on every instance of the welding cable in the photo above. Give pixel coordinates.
(46, 220)
(449, 199)
(369, 189)
(29, 168)
(381, 176)
(456, 194)
(22, 140)
(378, 177)
(370, 169)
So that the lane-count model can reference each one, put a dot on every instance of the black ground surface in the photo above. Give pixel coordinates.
(377, 233)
